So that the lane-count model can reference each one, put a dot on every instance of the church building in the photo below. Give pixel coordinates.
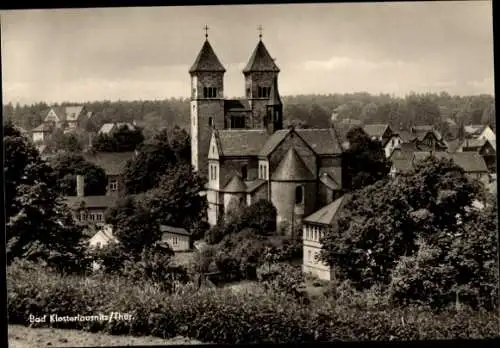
(241, 147)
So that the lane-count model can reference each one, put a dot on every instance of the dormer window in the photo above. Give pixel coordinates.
(209, 92)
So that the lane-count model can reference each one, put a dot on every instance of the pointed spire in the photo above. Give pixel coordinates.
(207, 60)
(274, 96)
(261, 60)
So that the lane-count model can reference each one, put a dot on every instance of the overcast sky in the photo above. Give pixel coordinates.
(145, 53)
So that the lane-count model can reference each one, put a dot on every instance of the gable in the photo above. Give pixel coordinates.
(304, 151)
(52, 116)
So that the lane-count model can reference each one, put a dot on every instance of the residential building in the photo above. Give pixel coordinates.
(423, 138)
(89, 209)
(42, 132)
(483, 146)
(179, 239)
(479, 132)
(102, 237)
(110, 128)
(114, 164)
(389, 139)
(67, 117)
(314, 228)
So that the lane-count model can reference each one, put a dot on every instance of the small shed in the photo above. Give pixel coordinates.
(178, 238)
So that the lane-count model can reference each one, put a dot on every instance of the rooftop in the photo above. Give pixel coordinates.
(327, 214)
(292, 168)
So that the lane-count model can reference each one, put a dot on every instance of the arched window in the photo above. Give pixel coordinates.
(299, 195)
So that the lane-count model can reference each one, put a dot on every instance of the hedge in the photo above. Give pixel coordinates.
(220, 316)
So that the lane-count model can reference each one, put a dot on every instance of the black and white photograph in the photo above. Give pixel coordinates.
(248, 174)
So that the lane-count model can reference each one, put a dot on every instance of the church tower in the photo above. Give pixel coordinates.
(260, 74)
(207, 103)
(274, 117)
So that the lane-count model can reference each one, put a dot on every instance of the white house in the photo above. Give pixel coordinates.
(41, 133)
(314, 227)
(109, 128)
(103, 236)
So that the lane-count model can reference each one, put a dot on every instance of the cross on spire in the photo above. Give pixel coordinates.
(206, 31)
(259, 28)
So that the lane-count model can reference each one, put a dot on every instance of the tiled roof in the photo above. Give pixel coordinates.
(261, 60)
(207, 60)
(175, 230)
(403, 165)
(273, 141)
(108, 127)
(236, 185)
(292, 168)
(113, 163)
(236, 104)
(241, 142)
(327, 214)
(254, 184)
(470, 162)
(375, 130)
(453, 145)
(72, 112)
(322, 141)
(274, 97)
(477, 143)
(104, 202)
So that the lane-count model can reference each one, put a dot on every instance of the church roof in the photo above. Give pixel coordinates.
(327, 214)
(241, 142)
(261, 60)
(273, 141)
(322, 141)
(207, 60)
(274, 96)
(292, 168)
(236, 185)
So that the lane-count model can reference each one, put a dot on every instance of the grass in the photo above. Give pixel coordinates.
(25, 337)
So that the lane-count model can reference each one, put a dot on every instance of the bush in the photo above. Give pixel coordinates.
(221, 316)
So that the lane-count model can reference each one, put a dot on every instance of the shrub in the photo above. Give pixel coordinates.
(221, 316)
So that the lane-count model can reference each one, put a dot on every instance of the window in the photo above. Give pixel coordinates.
(175, 241)
(99, 216)
(113, 185)
(210, 121)
(263, 92)
(244, 171)
(194, 107)
(276, 116)
(209, 92)
(92, 216)
(98, 244)
(194, 94)
(237, 121)
(248, 92)
(299, 195)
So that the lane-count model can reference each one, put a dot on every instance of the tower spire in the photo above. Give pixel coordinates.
(206, 31)
(259, 28)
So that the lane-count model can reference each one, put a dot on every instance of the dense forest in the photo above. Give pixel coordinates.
(441, 110)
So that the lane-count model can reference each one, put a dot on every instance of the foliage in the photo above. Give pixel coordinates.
(282, 278)
(365, 160)
(122, 139)
(68, 165)
(60, 141)
(156, 155)
(38, 223)
(220, 316)
(134, 225)
(382, 222)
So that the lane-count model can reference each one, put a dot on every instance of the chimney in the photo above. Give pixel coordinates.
(79, 185)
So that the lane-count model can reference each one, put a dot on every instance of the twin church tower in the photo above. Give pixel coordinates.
(260, 109)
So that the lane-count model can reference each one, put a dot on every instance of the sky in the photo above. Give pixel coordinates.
(144, 53)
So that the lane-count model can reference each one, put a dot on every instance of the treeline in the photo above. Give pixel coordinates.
(316, 111)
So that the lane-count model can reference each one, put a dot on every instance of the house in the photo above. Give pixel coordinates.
(102, 237)
(89, 209)
(179, 239)
(484, 147)
(479, 132)
(114, 164)
(66, 117)
(424, 138)
(110, 128)
(383, 133)
(314, 228)
(42, 132)
(472, 163)
(241, 146)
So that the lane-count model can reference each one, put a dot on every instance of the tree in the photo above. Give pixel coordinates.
(365, 160)
(68, 165)
(155, 157)
(39, 225)
(135, 226)
(123, 139)
(177, 201)
(59, 141)
(382, 222)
